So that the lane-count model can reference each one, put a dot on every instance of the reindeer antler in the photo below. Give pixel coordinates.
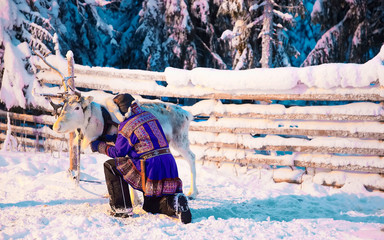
(55, 106)
(64, 79)
(68, 86)
(49, 65)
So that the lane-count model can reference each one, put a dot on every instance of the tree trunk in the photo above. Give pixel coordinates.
(267, 33)
(73, 161)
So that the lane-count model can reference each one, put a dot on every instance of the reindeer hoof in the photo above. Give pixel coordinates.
(191, 196)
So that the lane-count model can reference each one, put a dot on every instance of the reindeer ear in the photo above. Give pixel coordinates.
(86, 101)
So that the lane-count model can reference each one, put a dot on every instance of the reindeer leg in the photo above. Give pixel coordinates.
(190, 157)
(134, 197)
(192, 164)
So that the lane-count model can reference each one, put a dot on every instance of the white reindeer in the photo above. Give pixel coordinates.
(83, 113)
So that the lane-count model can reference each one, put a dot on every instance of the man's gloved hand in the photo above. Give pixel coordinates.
(95, 145)
(107, 138)
(99, 146)
(110, 138)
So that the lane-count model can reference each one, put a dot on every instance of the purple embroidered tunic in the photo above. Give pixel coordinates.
(140, 135)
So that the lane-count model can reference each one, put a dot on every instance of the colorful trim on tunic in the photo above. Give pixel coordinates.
(131, 174)
(135, 122)
(136, 109)
(145, 144)
(156, 131)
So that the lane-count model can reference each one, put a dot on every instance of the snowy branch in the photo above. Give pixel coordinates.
(284, 16)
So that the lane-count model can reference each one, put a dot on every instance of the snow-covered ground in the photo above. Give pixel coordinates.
(39, 201)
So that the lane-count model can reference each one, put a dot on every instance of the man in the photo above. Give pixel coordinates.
(142, 159)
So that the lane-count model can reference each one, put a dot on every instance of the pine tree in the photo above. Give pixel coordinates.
(240, 37)
(303, 35)
(165, 30)
(354, 31)
(179, 29)
(150, 33)
(23, 28)
(205, 25)
(98, 32)
(262, 36)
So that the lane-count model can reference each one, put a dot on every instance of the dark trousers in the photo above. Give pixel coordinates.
(118, 190)
(164, 205)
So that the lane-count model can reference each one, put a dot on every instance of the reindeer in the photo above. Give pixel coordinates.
(95, 119)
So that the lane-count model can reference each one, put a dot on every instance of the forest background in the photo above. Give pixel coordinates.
(222, 34)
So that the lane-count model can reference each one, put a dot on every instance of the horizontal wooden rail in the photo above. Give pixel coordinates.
(350, 167)
(289, 131)
(269, 161)
(336, 111)
(33, 132)
(42, 119)
(141, 86)
(51, 145)
(325, 117)
(301, 149)
(129, 74)
(247, 158)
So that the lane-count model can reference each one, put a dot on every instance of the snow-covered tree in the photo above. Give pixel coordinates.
(206, 24)
(99, 32)
(165, 33)
(21, 28)
(354, 31)
(262, 36)
(303, 36)
(178, 28)
(240, 37)
(151, 35)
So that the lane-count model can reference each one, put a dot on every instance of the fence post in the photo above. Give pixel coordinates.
(74, 162)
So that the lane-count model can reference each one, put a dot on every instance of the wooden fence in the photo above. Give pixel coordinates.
(32, 131)
(275, 129)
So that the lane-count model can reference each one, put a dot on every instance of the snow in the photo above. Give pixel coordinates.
(340, 79)
(39, 201)
(273, 140)
(325, 76)
(200, 9)
(208, 107)
(351, 127)
(285, 16)
(97, 2)
(15, 76)
(227, 35)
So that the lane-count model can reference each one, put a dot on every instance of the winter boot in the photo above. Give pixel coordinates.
(121, 212)
(182, 210)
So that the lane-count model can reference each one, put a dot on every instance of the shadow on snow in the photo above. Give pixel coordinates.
(282, 208)
(52, 203)
(289, 207)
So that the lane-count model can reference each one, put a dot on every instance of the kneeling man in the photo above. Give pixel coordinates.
(142, 159)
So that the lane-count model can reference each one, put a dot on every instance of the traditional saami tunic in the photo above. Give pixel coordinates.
(141, 137)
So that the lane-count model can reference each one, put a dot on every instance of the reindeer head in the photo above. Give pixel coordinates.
(72, 116)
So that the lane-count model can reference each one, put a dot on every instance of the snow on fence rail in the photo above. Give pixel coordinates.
(329, 82)
(32, 131)
(277, 128)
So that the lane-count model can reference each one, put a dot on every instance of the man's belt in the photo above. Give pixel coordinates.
(144, 157)
(154, 153)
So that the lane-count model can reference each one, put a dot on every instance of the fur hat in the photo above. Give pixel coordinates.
(123, 101)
